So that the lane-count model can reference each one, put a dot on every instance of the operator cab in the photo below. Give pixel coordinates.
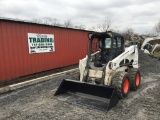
(110, 46)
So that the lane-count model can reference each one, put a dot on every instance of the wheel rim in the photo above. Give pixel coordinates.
(126, 85)
(137, 79)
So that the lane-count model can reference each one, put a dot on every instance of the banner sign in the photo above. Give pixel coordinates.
(40, 43)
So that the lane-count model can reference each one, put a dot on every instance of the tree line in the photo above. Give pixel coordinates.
(106, 24)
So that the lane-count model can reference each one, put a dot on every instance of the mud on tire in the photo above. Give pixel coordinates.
(135, 78)
(122, 83)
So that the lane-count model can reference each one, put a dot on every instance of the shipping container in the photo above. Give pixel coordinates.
(16, 60)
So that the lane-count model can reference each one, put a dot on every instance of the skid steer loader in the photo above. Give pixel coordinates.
(108, 73)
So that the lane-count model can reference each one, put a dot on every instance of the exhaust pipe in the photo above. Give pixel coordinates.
(107, 92)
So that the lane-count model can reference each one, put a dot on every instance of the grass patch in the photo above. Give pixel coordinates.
(157, 54)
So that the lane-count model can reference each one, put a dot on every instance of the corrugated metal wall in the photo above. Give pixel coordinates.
(15, 60)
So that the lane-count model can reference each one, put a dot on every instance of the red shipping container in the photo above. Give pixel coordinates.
(15, 60)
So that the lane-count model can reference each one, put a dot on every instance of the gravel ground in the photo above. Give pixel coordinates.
(148, 64)
(39, 103)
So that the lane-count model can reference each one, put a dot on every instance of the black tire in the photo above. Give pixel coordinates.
(118, 82)
(133, 72)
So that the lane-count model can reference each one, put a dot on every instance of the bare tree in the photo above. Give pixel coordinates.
(157, 27)
(106, 25)
(93, 28)
(55, 22)
(36, 20)
(47, 20)
(128, 33)
(68, 23)
(82, 27)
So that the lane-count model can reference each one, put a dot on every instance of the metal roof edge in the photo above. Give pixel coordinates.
(30, 22)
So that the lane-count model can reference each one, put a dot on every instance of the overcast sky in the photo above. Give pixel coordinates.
(141, 15)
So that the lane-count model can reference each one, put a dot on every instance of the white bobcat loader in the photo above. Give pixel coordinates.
(109, 73)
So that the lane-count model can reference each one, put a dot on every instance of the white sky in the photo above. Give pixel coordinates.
(141, 15)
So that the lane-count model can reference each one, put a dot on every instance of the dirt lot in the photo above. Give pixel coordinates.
(38, 103)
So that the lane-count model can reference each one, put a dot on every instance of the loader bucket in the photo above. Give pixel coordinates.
(101, 91)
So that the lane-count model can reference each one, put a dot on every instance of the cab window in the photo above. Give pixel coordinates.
(108, 43)
(119, 42)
